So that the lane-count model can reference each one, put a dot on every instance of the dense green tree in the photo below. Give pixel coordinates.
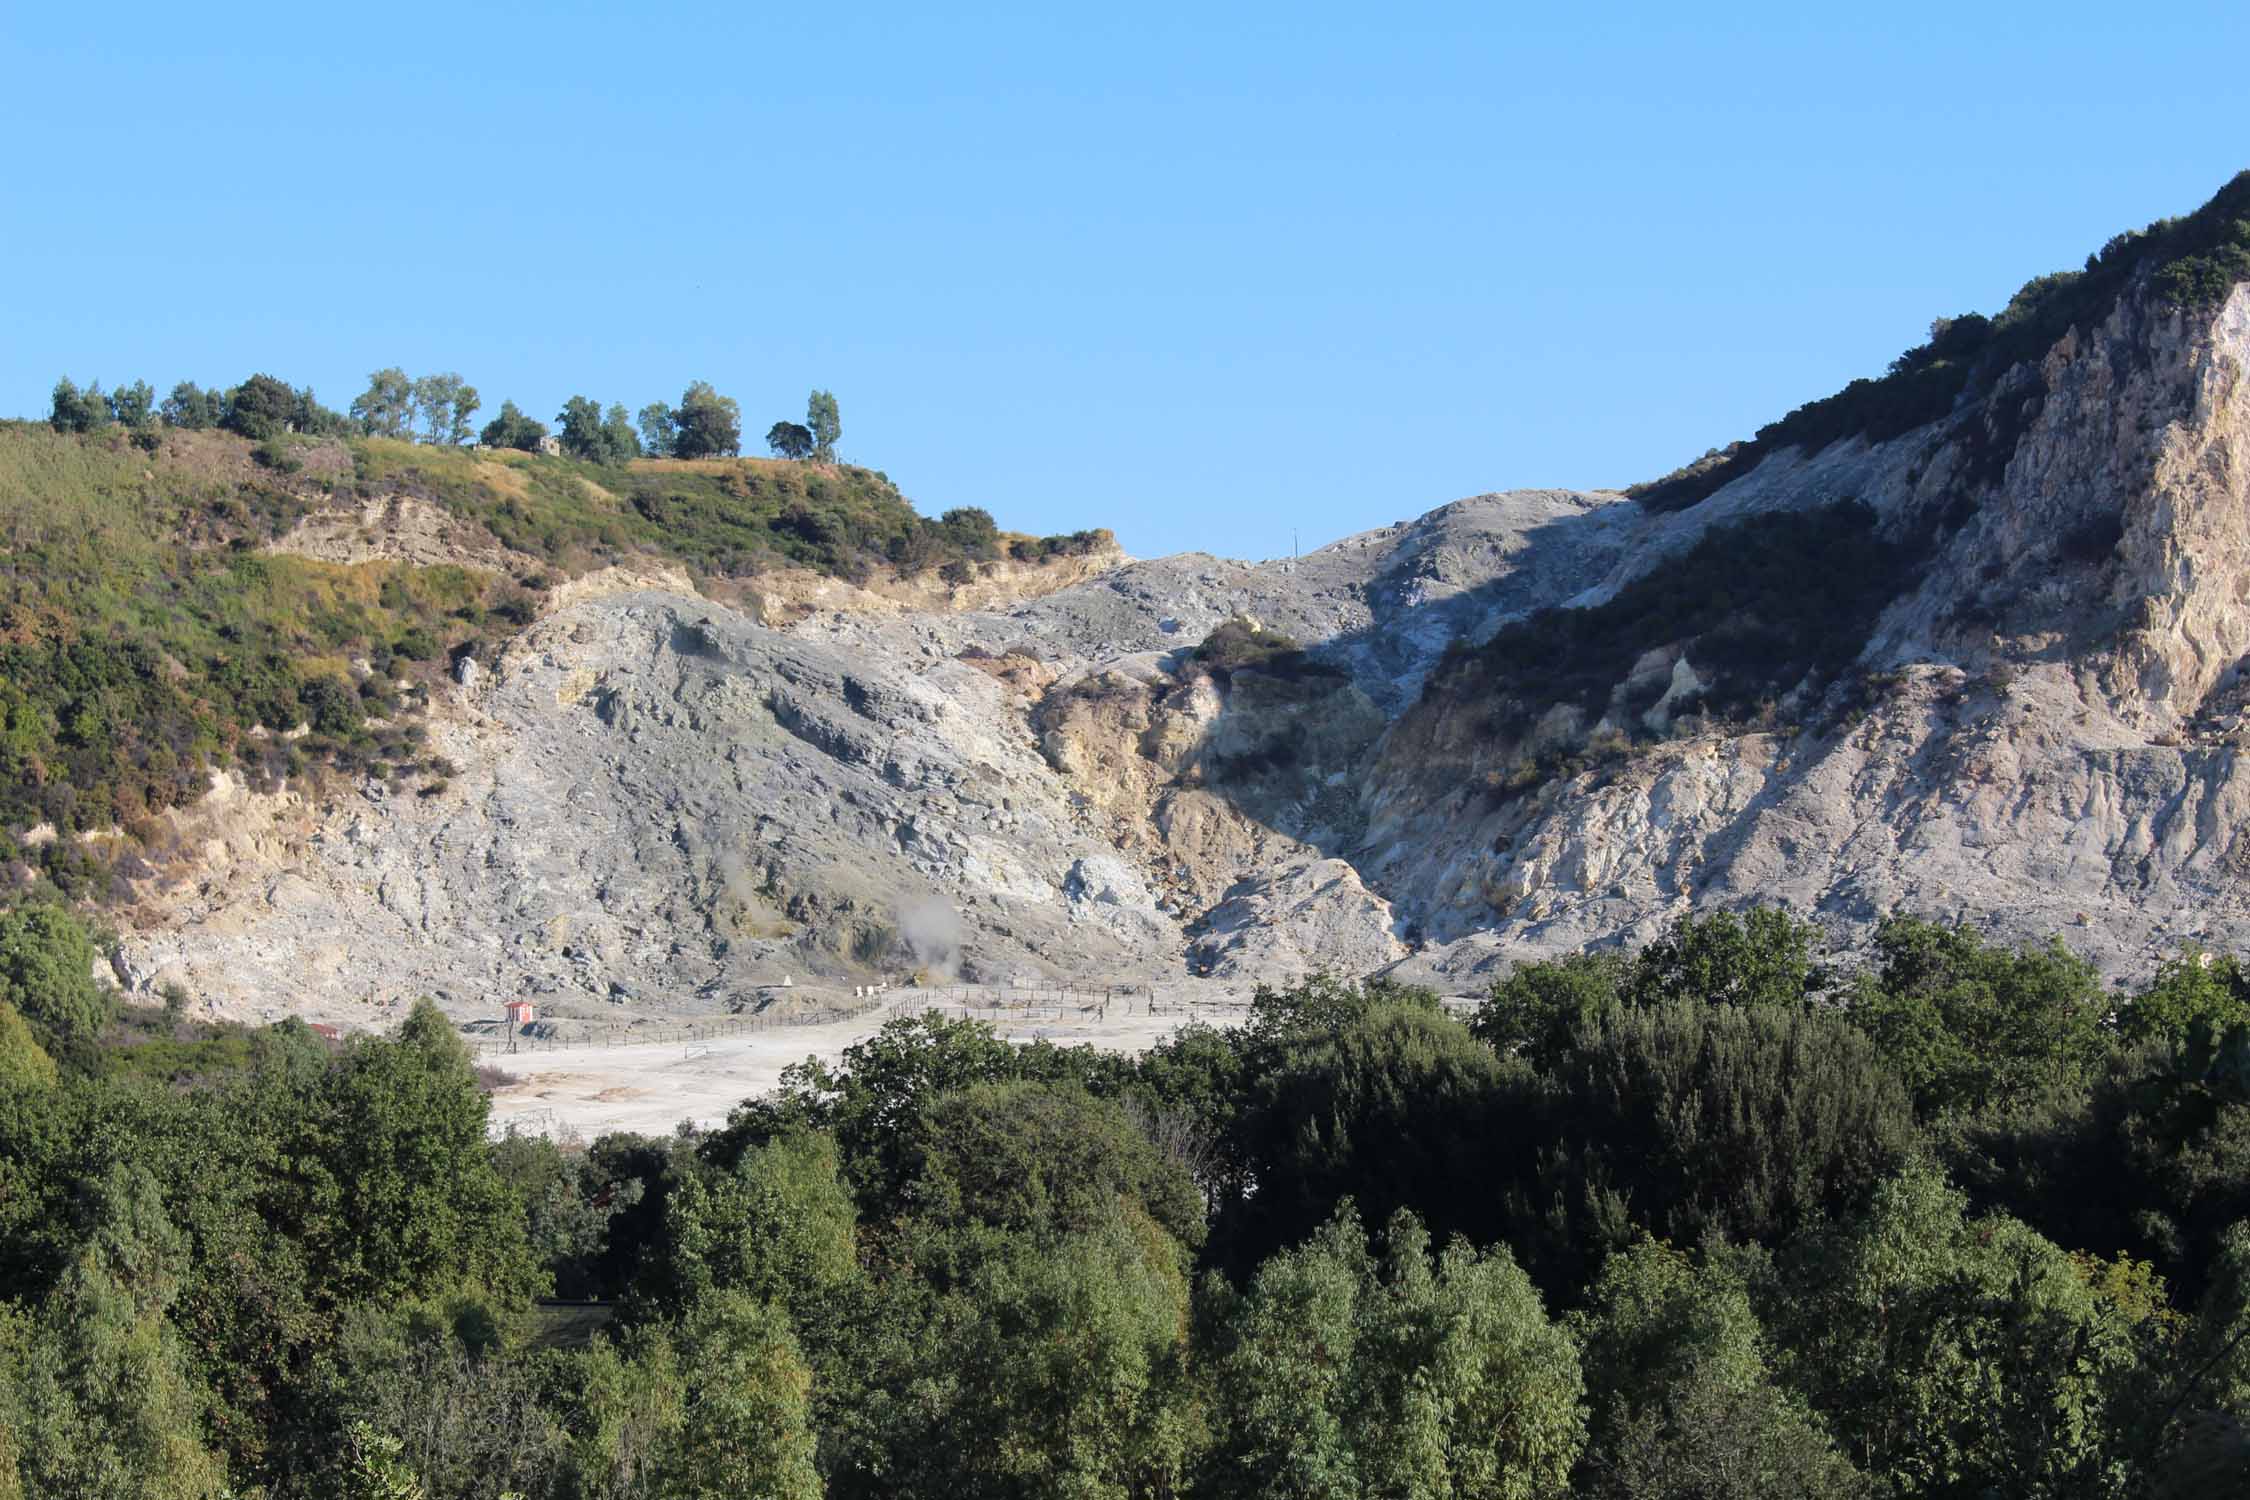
(971, 531)
(2174, 1150)
(598, 438)
(779, 1224)
(620, 1414)
(1684, 1401)
(445, 404)
(1035, 1157)
(790, 440)
(874, 1099)
(1692, 1119)
(386, 407)
(47, 974)
(706, 424)
(409, 1199)
(307, 415)
(133, 406)
(512, 429)
(2211, 1372)
(446, 1379)
(659, 430)
(1055, 1365)
(1535, 1008)
(76, 410)
(108, 1410)
(621, 440)
(1412, 1375)
(260, 408)
(566, 1212)
(1970, 1024)
(1396, 1108)
(192, 407)
(747, 1427)
(1763, 956)
(2198, 987)
(826, 425)
(1960, 1356)
(24, 1064)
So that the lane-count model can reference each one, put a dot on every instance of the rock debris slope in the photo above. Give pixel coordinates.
(663, 802)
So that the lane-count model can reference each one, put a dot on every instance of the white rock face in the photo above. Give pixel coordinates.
(659, 796)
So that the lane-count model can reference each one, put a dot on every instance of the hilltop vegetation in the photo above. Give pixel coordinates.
(1712, 1218)
(151, 635)
(2189, 262)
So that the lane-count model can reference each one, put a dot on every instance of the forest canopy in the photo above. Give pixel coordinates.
(1723, 1215)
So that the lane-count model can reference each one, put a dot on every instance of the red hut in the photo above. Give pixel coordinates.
(521, 1013)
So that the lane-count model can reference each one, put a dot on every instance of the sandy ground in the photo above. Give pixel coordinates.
(650, 1087)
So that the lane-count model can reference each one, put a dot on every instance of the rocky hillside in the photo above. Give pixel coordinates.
(1964, 641)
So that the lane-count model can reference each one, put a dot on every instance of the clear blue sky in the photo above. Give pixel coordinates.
(1203, 274)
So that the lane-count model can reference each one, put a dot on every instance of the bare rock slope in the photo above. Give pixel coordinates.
(662, 801)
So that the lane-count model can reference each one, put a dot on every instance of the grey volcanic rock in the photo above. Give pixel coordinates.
(2055, 746)
(654, 792)
(663, 803)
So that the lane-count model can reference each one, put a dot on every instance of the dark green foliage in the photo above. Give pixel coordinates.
(1535, 1009)
(779, 1224)
(567, 1207)
(790, 440)
(133, 406)
(261, 407)
(190, 406)
(1395, 1107)
(826, 425)
(402, 1151)
(1689, 1120)
(971, 529)
(1959, 1356)
(1761, 957)
(706, 424)
(512, 429)
(2209, 250)
(76, 410)
(1339, 1373)
(1738, 605)
(1240, 646)
(746, 1427)
(597, 437)
(1972, 1025)
(948, 1265)
(46, 975)
(1687, 1404)
(2172, 1138)
(2196, 989)
(1037, 1158)
(1053, 1365)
